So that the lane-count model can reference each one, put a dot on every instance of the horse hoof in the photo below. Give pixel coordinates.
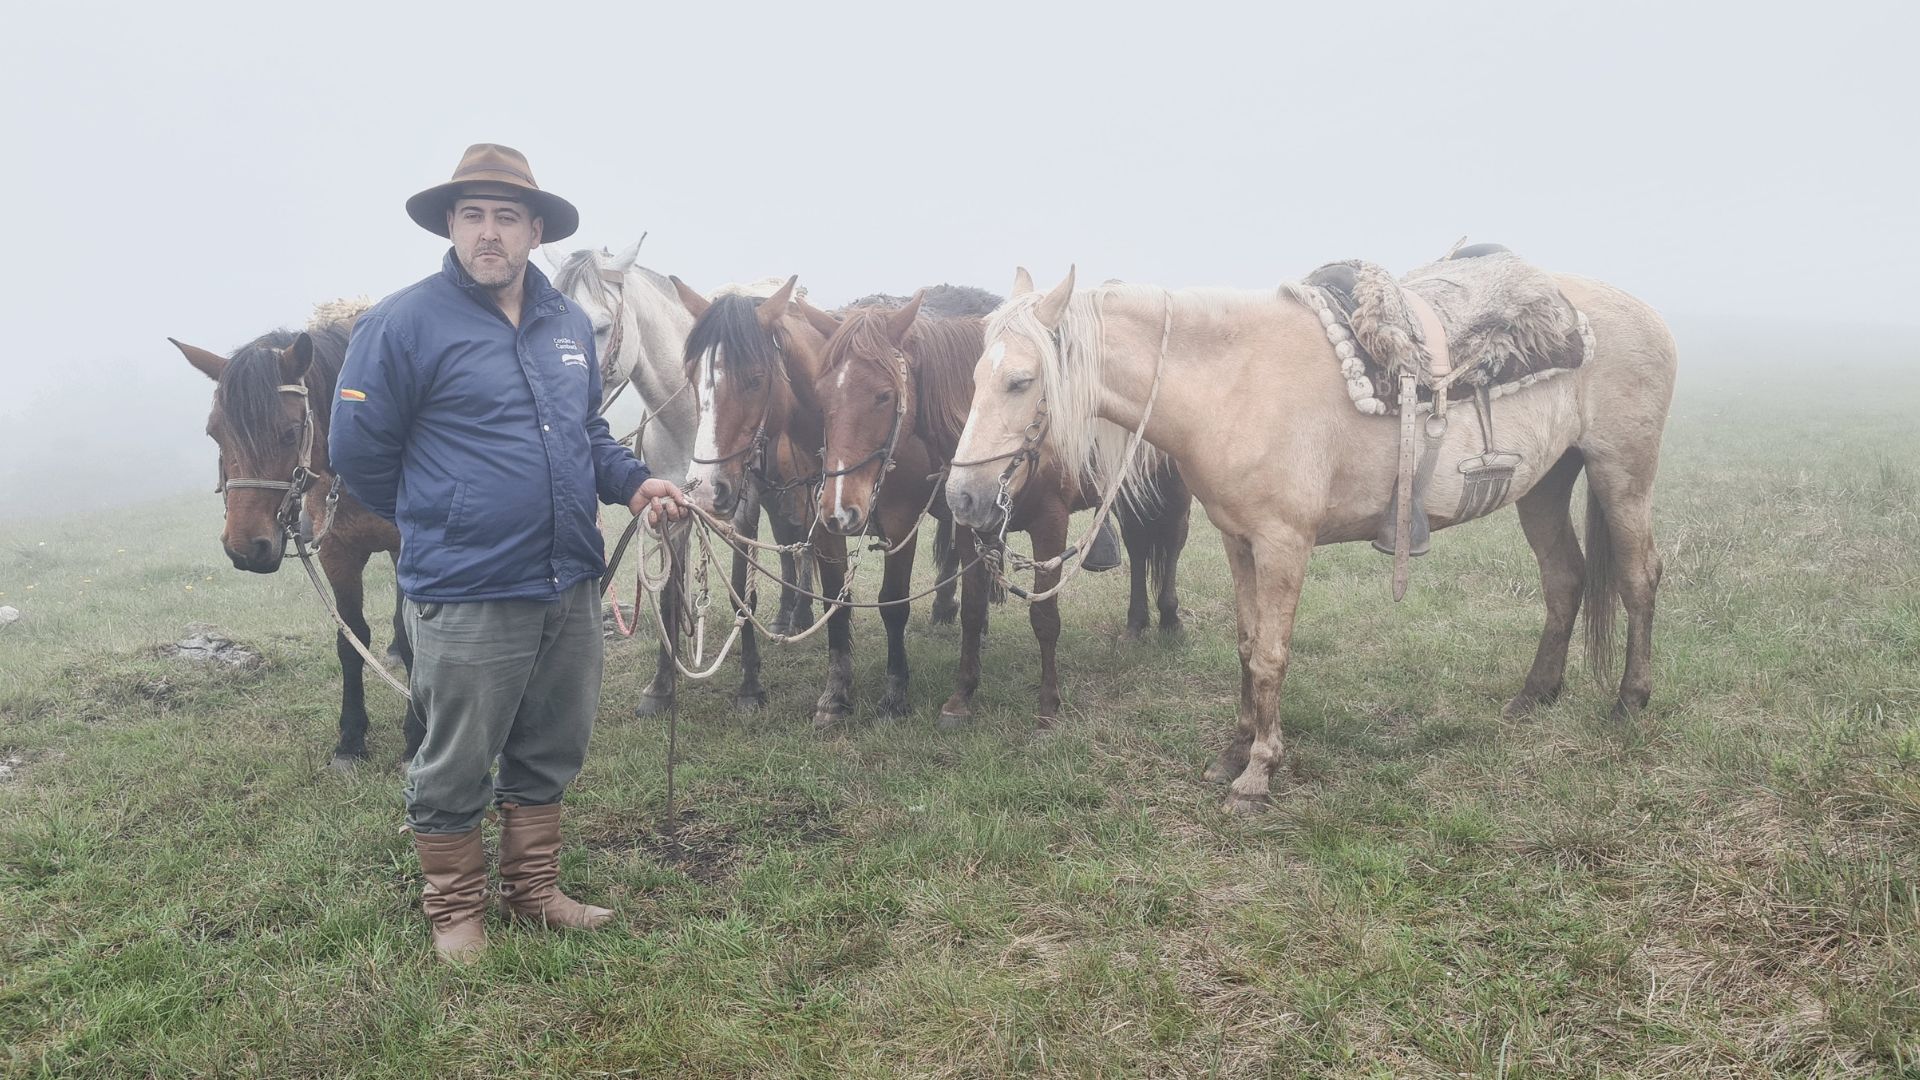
(944, 614)
(650, 705)
(1524, 703)
(1172, 628)
(345, 764)
(829, 720)
(750, 701)
(1221, 772)
(952, 719)
(1136, 633)
(1625, 711)
(1044, 721)
(893, 708)
(1248, 805)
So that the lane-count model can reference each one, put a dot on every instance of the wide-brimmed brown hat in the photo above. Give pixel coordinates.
(490, 165)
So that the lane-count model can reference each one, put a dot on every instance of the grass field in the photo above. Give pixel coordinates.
(1727, 885)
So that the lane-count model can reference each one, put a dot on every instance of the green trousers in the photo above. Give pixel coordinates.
(513, 680)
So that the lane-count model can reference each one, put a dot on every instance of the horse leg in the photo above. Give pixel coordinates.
(1545, 516)
(1049, 533)
(1169, 541)
(796, 611)
(1233, 758)
(343, 569)
(946, 564)
(973, 625)
(746, 522)
(1279, 568)
(657, 698)
(1139, 540)
(1622, 555)
(836, 701)
(896, 586)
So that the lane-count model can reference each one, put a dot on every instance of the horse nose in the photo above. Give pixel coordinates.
(961, 503)
(722, 496)
(847, 521)
(261, 551)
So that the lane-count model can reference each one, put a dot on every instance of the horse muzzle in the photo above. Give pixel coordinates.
(261, 555)
(971, 495)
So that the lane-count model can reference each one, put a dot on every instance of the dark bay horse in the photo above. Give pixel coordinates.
(271, 413)
(895, 392)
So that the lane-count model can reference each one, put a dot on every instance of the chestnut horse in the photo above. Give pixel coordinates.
(1252, 402)
(895, 392)
(271, 412)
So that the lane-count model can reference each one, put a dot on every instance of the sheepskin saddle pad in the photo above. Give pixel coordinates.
(1504, 320)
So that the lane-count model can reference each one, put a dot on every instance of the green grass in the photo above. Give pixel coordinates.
(1729, 884)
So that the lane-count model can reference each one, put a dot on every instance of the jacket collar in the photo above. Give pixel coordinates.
(542, 298)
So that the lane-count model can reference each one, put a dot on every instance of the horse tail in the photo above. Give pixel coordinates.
(1602, 589)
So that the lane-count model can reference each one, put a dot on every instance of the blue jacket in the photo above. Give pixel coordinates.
(479, 440)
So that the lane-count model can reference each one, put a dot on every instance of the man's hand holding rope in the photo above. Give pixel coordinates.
(659, 500)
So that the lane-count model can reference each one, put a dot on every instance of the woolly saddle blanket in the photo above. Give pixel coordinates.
(1504, 319)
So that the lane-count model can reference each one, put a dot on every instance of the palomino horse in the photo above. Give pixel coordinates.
(755, 365)
(1253, 404)
(640, 333)
(271, 412)
(895, 393)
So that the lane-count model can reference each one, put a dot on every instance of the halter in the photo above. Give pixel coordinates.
(287, 516)
(756, 449)
(884, 454)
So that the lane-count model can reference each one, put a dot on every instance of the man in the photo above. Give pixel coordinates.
(466, 415)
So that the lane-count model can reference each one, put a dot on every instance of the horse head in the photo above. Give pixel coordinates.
(1007, 428)
(868, 399)
(741, 359)
(266, 430)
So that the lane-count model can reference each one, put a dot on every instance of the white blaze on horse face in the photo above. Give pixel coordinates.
(997, 354)
(706, 441)
(839, 482)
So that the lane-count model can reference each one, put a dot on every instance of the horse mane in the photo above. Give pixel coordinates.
(248, 393)
(731, 328)
(941, 354)
(1073, 359)
(943, 301)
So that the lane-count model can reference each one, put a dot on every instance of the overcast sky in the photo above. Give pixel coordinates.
(211, 171)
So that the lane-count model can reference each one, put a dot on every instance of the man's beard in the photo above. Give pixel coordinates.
(494, 275)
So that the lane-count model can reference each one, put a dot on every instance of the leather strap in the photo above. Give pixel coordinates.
(1438, 362)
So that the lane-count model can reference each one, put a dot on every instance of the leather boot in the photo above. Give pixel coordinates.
(455, 898)
(530, 871)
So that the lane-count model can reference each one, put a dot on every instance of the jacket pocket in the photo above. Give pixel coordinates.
(458, 512)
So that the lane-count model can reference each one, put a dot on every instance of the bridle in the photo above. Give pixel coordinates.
(884, 453)
(287, 515)
(1027, 453)
(756, 449)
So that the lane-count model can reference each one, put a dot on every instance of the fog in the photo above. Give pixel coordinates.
(209, 172)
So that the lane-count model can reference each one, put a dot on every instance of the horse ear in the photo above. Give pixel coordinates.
(1022, 282)
(900, 322)
(775, 306)
(1055, 304)
(295, 361)
(695, 304)
(630, 256)
(819, 320)
(210, 364)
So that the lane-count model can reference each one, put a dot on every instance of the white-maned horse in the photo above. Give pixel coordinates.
(1253, 404)
(640, 333)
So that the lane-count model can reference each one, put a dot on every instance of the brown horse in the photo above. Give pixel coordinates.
(755, 365)
(1252, 402)
(895, 393)
(271, 412)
